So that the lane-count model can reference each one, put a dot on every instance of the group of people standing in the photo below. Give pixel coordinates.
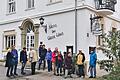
(80, 58)
(12, 61)
(56, 62)
(63, 63)
(54, 59)
(33, 58)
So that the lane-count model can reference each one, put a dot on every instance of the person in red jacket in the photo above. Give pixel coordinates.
(54, 54)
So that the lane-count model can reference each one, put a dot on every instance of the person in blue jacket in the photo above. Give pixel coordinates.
(49, 59)
(23, 59)
(15, 54)
(92, 63)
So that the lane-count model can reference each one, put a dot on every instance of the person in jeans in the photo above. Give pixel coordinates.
(68, 64)
(40, 50)
(42, 57)
(59, 62)
(9, 63)
(33, 56)
(23, 59)
(49, 58)
(92, 63)
(80, 63)
(15, 53)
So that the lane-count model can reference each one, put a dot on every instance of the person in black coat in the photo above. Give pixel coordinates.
(9, 63)
(23, 59)
(42, 57)
(40, 50)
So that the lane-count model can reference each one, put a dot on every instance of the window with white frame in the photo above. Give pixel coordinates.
(30, 40)
(11, 6)
(54, 1)
(9, 41)
(30, 4)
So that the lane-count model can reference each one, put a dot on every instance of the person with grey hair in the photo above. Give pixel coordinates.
(33, 57)
(15, 53)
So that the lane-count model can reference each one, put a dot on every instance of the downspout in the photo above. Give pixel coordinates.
(75, 26)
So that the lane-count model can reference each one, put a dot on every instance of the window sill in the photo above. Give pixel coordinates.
(52, 3)
(11, 13)
(29, 9)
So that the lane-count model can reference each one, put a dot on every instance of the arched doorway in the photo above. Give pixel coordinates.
(29, 34)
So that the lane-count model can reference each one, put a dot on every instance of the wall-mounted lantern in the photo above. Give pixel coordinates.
(42, 24)
(95, 24)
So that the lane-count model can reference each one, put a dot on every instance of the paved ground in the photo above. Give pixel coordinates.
(40, 75)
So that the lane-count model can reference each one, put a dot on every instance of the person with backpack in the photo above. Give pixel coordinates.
(80, 62)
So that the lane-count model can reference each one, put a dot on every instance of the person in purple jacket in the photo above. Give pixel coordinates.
(15, 54)
(68, 64)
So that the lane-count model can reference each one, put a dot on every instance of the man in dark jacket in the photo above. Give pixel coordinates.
(15, 53)
(40, 49)
(42, 57)
(23, 59)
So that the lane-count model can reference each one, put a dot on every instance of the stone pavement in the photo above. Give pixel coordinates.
(40, 75)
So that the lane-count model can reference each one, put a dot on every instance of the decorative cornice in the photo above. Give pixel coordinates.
(57, 12)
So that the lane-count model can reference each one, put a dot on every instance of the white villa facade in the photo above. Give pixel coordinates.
(70, 24)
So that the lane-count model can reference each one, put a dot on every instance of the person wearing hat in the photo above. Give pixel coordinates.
(23, 59)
